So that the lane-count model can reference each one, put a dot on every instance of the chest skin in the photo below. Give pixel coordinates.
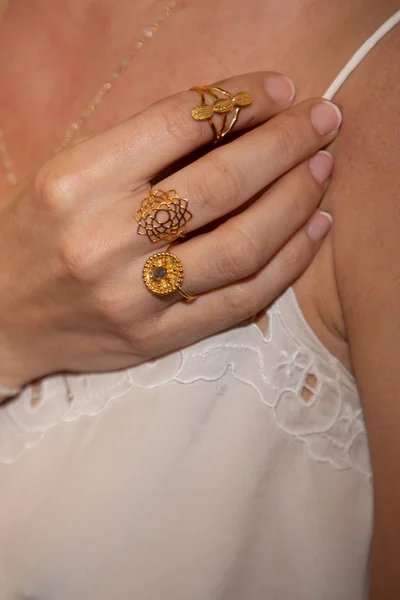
(47, 83)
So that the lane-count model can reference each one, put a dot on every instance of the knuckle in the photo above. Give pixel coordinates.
(55, 189)
(240, 257)
(239, 303)
(292, 133)
(286, 137)
(219, 185)
(73, 261)
(79, 260)
(177, 122)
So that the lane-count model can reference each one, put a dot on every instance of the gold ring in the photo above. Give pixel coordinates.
(224, 104)
(162, 216)
(163, 275)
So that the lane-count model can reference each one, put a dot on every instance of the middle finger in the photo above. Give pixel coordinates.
(227, 177)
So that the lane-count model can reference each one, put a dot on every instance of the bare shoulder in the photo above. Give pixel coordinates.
(365, 202)
(364, 196)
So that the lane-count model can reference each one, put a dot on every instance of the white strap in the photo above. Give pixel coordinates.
(361, 54)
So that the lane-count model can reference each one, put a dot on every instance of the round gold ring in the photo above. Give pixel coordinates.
(162, 216)
(163, 274)
(222, 103)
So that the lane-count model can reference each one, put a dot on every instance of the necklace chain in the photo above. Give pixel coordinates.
(102, 92)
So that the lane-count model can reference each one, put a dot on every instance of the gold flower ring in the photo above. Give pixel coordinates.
(222, 103)
(163, 274)
(162, 216)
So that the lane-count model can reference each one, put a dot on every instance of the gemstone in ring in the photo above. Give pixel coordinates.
(163, 274)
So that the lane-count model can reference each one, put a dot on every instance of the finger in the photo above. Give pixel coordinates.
(245, 243)
(170, 132)
(220, 309)
(224, 179)
(134, 151)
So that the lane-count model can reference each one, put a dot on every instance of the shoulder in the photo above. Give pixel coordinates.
(364, 199)
(364, 195)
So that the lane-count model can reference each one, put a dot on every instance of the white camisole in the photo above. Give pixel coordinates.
(236, 469)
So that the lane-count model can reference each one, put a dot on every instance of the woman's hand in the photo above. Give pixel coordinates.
(73, 297)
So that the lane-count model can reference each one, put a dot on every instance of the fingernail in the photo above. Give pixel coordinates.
(319, 225)
(280, 88)
(321, 165)
(326, 117)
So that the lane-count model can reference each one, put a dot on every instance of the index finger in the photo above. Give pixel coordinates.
(170, 132)
(133, 152)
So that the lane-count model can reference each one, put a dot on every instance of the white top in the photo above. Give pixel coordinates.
(235, 469)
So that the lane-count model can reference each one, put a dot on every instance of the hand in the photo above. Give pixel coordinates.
(71, 262)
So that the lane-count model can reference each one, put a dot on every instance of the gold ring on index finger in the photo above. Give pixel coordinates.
(222, 103)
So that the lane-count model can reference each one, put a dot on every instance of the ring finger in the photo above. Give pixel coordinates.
(245, 243)
(229, 176)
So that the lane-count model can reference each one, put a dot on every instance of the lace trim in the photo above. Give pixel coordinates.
(313, 397)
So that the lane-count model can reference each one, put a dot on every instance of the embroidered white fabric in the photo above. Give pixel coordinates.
(325, 415)
(236, 468)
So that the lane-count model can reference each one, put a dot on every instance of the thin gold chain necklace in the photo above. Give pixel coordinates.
(105, 88)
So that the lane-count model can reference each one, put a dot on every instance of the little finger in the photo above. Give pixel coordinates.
(223, 308)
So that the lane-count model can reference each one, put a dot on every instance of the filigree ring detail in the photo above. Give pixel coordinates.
(163, 216)
(224, 104)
